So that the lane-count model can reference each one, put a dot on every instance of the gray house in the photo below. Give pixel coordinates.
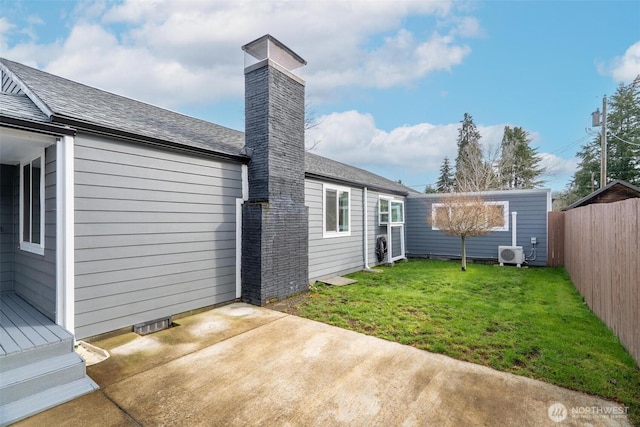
(118, 213)
(524, 226)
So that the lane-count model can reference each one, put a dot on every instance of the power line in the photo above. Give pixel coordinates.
(571, 144)
(626, 142)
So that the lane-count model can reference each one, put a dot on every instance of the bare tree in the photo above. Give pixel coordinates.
(466, 215)
(310, 122)
(478, 170)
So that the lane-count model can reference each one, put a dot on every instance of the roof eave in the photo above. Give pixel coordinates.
(349, 183)
(36, 126)
(133, 137)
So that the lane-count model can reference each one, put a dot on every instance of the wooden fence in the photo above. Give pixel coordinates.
(555, 239)
(601, 252)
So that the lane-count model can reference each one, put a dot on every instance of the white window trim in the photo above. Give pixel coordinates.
(505, 212)
(380, 212)
(36, 248)
(401, 202)
(390, 200)
(331, 234)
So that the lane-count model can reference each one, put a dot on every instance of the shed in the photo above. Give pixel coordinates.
(525, 219)
(614, 191)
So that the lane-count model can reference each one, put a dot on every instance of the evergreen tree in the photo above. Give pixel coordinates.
(469, 164)
(445, 182)
(587, 177)
(430, 189)
(623, 134)
(623, 144)
(519, 162)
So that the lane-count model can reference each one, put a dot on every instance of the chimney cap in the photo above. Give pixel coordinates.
(268, 47)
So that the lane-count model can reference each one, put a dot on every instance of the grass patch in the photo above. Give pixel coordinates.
(530, 322)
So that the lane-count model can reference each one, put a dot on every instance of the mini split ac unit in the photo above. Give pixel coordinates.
(510, 255)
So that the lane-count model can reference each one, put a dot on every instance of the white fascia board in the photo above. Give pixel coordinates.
(482, 193)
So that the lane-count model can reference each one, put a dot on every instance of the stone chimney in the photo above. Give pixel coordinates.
(275, 242)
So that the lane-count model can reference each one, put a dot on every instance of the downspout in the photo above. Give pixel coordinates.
(514, 224)
(245, 183)
(239, 203)
(366, 228)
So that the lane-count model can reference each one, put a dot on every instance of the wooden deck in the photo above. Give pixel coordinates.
(22, 327)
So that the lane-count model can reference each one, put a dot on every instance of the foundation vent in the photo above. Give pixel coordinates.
(152, 326)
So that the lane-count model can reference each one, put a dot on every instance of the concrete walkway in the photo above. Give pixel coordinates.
(244, 365)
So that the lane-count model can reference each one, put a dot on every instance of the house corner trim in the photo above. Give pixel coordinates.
(65, 234)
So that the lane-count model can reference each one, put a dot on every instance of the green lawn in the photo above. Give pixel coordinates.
(530, 322)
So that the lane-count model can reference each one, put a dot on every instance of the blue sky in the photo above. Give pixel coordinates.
(388, 81)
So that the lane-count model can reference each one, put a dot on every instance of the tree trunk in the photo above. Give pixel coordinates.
(464, 255)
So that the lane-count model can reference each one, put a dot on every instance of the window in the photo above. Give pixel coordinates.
(397, 212)
(390, 208)
(337, 211)
(383, 211)
(32, 205)
(496, 214)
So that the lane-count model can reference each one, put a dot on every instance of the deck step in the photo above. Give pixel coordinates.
(29, 356)
(24, 381)
(27, 336)
(28, 406)
(38, 367)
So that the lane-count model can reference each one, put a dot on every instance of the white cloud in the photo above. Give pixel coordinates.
(94, 56)
(411, 152)
(555, 165)
(624, 68)
(467, 26)
(177, 53)
(29, 53)
(401, 60)
(5, 27)
(352, 137)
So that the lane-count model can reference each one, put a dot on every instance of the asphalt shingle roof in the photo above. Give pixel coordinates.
(318, 165)
(68, 99)
(20, 106)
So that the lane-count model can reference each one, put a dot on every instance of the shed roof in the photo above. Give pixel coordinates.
(612, 192)
(55, 99)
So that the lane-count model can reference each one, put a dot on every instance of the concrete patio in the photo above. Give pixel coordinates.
(246, 365)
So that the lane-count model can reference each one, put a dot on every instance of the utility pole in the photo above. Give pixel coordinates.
(603, 138)
(595, 121)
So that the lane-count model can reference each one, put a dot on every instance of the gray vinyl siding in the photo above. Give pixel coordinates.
(8, 242)
(333, 255)
(35, 275)
(531, 206)
(155, 233)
